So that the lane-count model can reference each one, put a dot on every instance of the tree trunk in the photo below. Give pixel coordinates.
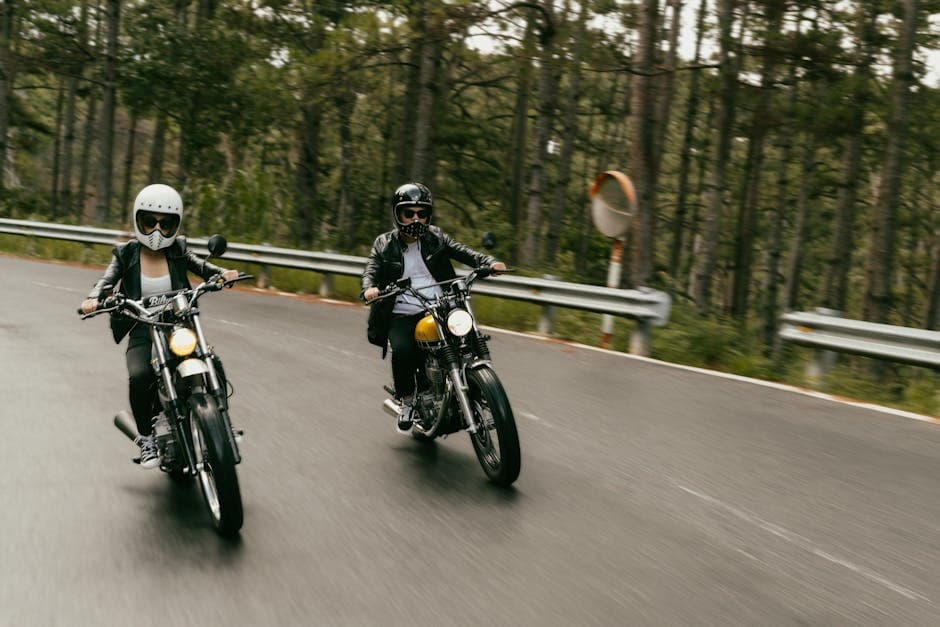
(109, 103)
(795, 258)
(706, 249)
(932, 305)
(775, 252)
(643, 144)
(57, 149)
(409, 113)
(157, 150)
(425, 120)
(880, 270)
(308, 164)
(668, 80)
(345, 104)
(569, 137)
(584, 220)
(68, 147)
(685, 155)
(837, 271)
(548, 90)
(750, 198)
(125, 206)
(520, 127)
(88, 142)
(7, 78)
(835, 293)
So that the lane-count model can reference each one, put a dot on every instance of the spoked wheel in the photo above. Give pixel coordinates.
(497, 441)
(215, 465)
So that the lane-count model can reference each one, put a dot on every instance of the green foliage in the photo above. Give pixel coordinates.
(904, 387)
(712, 342)
(280, 111)
(42, 248)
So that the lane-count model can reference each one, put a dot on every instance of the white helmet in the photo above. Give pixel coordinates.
(161, 199)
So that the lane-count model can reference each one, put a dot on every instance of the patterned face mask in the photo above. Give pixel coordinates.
(413, 229)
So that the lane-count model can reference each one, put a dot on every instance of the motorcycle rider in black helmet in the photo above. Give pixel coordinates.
(417, 250)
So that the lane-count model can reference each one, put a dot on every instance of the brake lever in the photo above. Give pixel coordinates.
(241, 277)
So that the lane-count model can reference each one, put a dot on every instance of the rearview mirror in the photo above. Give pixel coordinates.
(217, 246)
(489, 240)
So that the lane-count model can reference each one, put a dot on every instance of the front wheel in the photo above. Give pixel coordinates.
(496, 442)
(215, 465)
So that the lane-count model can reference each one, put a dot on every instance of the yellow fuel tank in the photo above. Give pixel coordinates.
(426, 330)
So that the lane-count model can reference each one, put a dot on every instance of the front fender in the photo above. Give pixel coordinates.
(191, 367)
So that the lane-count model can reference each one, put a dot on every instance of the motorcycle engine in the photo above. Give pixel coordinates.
(435, 376)
(163, 435)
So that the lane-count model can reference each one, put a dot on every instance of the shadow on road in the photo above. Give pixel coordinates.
(175, 511)
(449, 471)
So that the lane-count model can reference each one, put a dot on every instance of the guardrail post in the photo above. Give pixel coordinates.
(328, 281)
(264, 273)
(641, 337)
(327, 284)
(549, 313)
(547, 319)
(822, 360)
(85, 256)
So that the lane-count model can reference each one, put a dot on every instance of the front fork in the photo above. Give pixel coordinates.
(462, 392)
(216, 388)
(159, 344)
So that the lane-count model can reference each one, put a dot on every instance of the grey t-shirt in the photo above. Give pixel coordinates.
(420, 279)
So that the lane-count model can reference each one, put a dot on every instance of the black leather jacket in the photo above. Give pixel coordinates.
(123, 274)
(387, 264)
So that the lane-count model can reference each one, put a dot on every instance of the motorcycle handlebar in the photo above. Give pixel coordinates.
(110, 303)
(216, 282)
(401, 285)
(104, 305)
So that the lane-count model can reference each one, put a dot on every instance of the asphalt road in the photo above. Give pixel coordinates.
(649, 495)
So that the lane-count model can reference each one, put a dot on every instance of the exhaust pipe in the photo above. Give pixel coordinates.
(125, 422)
(391, 407)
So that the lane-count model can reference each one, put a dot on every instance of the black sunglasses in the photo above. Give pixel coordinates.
(410, 213)
(168, 223)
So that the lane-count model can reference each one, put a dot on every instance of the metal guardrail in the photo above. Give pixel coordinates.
(648, 307)
(827, 332)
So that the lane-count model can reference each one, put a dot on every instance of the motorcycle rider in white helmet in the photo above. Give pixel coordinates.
(156, 261)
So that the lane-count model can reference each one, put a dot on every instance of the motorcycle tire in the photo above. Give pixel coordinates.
(180, 477)
(496, 442)
(217, 477)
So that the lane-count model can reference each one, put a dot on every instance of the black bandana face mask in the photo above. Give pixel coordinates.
(413, 229)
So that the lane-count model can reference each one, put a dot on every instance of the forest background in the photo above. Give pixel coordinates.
(784, 151)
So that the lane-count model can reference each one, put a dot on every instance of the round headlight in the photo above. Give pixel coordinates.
(182, 341)
(460, 322)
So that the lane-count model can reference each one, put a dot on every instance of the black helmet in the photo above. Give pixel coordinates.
(412, 195)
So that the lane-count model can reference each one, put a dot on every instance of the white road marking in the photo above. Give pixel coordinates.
(803, 543)
(234, 324)
(533, 417)
(56, 287)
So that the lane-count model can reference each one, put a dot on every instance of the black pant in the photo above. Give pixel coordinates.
(142, 380)
(407, 359)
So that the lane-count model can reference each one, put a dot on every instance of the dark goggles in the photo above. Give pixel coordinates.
(167, 224)
(424, 214)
